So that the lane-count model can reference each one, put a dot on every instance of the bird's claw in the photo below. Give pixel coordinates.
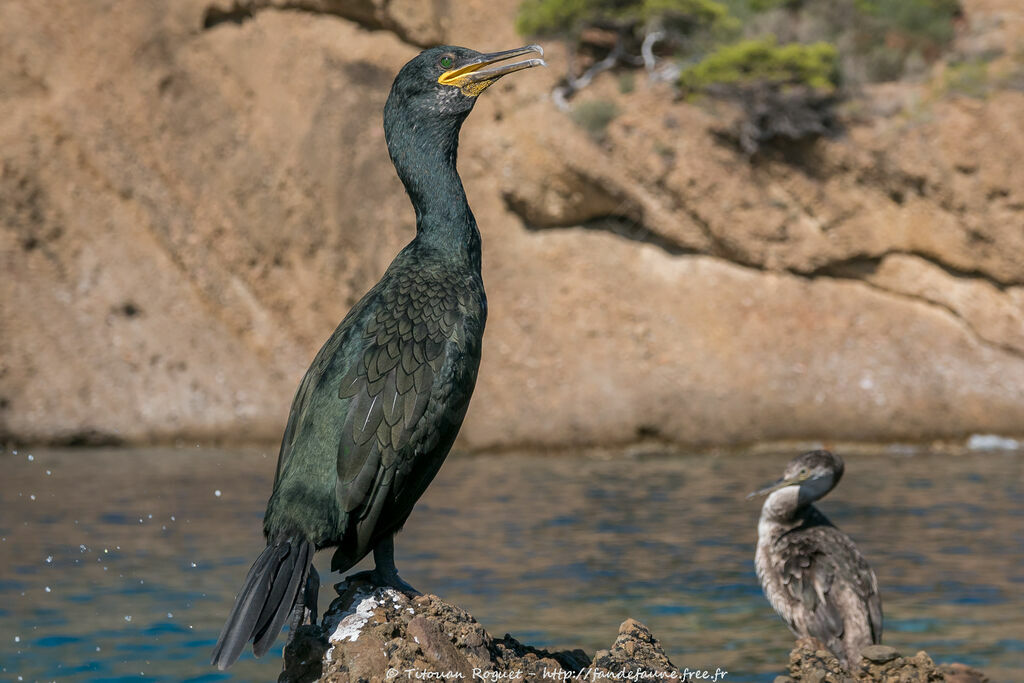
(379, 579)
(393, 580)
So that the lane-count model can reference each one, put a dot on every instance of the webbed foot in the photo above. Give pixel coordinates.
(384, 573)
(376, 577)
(393, 580)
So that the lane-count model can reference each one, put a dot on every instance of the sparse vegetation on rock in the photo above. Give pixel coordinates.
(967, 77)
(785, 92)
(605, 34)
(877, 39)
(764, 62)
(560, 17)
(594, 115)
(790, 55)
(222, 181)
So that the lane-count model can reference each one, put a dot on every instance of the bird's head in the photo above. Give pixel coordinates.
(445, 81)
(815, 473)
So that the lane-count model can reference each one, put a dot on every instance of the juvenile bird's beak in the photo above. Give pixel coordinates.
(772, 488)
(477, 74)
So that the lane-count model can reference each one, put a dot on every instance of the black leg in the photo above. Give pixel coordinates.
(385, 572)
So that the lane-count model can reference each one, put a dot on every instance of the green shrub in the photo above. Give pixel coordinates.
(889, 39)
(765, 5)
(787, 91)
(882, 40)
(969, 78)
(925, 23)
(786, 94)
(545, 17)
(552, 17)
(594, 116)
(697, 12)
(627, 82)
(763, 61)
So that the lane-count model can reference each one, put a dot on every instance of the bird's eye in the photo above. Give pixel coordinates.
(803, 470)
(446, 61)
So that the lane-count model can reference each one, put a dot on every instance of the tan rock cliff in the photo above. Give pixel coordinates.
(192, 194)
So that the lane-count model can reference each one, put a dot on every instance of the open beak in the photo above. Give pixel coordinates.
(772, 488)
(477, 74)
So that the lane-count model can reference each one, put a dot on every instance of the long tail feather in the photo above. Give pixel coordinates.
(268, 595)
(271, 620)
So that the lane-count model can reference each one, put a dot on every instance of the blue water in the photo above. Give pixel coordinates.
(125, 563)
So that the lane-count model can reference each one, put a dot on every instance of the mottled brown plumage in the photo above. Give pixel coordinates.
(811, 572)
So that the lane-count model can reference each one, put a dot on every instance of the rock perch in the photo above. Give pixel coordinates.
(811, 662)
(380, 634)
(370, 633)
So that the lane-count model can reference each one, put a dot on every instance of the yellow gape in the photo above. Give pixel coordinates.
(460, 79)
(480, 73)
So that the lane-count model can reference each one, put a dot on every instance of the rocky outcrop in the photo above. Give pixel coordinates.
(811, 662)
(372, 634)
(420, 22)
(192, 195)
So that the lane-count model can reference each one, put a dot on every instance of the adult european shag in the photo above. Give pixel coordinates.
(812, 573)
(379, 408)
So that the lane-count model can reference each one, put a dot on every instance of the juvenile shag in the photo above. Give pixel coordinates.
(811, 572)
(379, 408)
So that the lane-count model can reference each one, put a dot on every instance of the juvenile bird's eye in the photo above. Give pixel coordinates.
(446, 61)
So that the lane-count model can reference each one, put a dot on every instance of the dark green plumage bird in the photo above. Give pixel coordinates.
(379, 408)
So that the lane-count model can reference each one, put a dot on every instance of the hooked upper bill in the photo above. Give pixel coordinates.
(775, 486)
(474, 76)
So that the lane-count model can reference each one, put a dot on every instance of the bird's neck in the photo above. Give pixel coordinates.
(783, 507)
(425, 154)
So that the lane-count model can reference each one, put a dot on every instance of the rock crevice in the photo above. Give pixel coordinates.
(417, 23)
